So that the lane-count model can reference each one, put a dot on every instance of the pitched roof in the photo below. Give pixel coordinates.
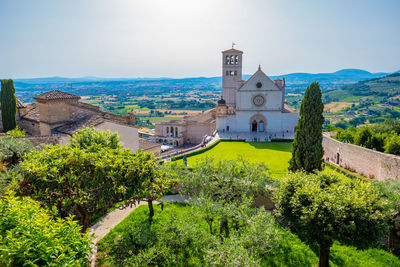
(232, 50)
(20, 104)
(56, 95)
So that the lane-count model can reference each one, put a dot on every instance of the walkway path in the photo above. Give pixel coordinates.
(103, 227)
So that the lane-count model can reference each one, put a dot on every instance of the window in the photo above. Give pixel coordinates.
(236, 60)
(227, 60)
(167, 130)
(232, 73)
(232, 60)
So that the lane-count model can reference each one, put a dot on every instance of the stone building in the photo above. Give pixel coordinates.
(254, 109)
(58, 112)
(190, 130)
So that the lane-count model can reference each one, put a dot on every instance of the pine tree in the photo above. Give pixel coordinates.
(307, 145)
(8, 105)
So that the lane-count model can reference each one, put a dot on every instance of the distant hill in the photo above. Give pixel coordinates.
(295, 83)
(387, 87)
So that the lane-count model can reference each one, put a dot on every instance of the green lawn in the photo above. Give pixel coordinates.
(275, 155)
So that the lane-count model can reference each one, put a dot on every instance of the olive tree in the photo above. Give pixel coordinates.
(321, 208)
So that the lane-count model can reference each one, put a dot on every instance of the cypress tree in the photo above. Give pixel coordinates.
(8, 105)
(307, 145)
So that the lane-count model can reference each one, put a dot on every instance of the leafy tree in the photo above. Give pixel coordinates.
(94, 139)
(78, 181)
(33, 236)
(307, 144)
(321, 208)
(153, 181)
(392, 145)
(8, 105)
(12, 150)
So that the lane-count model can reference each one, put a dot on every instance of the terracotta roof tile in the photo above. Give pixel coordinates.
(56, 95)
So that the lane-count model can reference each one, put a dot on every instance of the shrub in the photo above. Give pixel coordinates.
(17, 132)
(12, 150)
(33, 236)
(81, 182)
(94, 139)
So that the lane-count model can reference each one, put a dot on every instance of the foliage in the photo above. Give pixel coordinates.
(382, 137)
(153, 181)
(17, 132)
(392, 145)
(346, 135)
(33, 236)
(351, 256)
(94, 139)
(390, 189)
(226, 181)
(180, 234)
(81, 182)
(307, 145)
(12, 149)
(321, 208)
(8, 104)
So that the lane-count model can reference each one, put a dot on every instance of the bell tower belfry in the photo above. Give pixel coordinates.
(231, 74)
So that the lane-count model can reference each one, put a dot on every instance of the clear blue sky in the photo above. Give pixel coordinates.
(181, 38)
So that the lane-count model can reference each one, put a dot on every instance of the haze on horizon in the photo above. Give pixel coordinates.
(184, 38)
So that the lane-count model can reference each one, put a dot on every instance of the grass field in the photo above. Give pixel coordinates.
(275, 155)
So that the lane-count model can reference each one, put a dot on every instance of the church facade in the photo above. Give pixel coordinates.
(254, 109)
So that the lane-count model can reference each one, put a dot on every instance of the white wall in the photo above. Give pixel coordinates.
(129, 135)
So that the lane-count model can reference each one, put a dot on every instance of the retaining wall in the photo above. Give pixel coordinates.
(367, 162)
(48, 139)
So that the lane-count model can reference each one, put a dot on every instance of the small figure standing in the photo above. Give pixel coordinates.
(185, 160)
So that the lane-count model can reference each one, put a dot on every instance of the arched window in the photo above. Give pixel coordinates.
(176, 131)
(227, 60)
(236, 60)
(167, 130)
(232, 60)
(172, 131)
(227, 128)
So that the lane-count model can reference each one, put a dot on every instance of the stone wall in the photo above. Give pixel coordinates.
(367, 162)
(48, 140)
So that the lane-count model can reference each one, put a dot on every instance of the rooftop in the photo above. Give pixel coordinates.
(56, 95)
(232, 50)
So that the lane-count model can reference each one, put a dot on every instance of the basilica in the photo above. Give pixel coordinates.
(254, 109)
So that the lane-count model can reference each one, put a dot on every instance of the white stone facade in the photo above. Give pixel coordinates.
(253, 108)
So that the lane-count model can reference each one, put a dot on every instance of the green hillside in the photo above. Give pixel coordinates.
(387, 87)
(364, 102)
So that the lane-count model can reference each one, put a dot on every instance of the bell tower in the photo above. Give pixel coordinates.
(231, 74)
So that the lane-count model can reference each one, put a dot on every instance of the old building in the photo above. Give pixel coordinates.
(190, 130)
(254, 109)
(58, 112)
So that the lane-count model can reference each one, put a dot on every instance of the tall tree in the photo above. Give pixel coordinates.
(307, 145)
(8, 105)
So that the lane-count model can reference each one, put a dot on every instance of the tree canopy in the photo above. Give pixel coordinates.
(307, 144)
(321, 208)
(8, 104)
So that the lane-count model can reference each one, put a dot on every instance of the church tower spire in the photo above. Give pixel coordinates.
(231, 74)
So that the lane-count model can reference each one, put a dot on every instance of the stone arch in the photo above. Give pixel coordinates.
(172, 131)
(176, 131)
(338, 158)
(258, 123)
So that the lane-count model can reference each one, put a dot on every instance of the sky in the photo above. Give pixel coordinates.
(184, 38)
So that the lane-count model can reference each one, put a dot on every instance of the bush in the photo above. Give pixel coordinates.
(17, 132)
(94, 139)
(81, 182)
(33, 236)
(12, 150)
